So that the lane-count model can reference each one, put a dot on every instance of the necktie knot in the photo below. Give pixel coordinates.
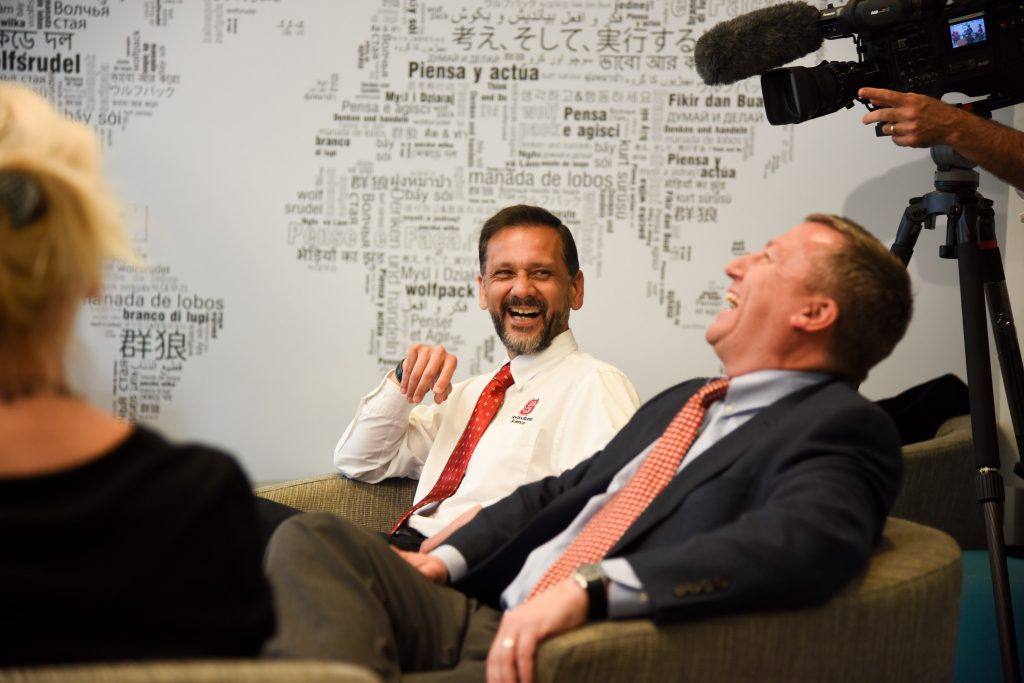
(502, 379)
(712, 391)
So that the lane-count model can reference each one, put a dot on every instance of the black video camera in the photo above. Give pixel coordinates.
(975, 47)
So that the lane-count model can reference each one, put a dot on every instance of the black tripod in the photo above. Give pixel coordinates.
(971, 240)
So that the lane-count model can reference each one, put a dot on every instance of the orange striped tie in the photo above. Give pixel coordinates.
(607, 526)
(455, 469)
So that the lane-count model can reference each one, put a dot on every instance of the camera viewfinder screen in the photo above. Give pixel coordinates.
(967, 31)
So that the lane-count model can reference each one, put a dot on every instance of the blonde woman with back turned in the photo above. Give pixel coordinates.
(116, 543)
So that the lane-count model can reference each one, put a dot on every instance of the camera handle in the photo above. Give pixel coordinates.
(971, 240)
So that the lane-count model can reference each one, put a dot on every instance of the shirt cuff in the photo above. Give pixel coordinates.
(626, 597)
(388, 401)
(453, 560)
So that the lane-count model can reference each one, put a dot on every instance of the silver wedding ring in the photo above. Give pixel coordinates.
(508, 643)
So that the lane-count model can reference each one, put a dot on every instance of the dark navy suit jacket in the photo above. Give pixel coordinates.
(781, 513)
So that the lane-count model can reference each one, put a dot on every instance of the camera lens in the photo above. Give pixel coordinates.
(798, 93)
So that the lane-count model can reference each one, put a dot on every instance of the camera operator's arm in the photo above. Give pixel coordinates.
(915, 120)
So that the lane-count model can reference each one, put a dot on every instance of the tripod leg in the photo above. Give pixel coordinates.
(910, 228)
(989, 482)
(1004, 331)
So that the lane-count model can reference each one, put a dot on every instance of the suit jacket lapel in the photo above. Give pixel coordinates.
(710, 463)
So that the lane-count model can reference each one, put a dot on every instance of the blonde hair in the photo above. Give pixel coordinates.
(59, 250)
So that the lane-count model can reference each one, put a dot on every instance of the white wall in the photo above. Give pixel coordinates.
(245, 136)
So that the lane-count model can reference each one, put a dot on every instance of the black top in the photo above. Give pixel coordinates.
(150, 551)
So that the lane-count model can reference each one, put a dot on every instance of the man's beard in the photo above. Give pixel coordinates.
(520, 344)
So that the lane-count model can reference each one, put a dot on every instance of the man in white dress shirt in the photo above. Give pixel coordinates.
(562, 406)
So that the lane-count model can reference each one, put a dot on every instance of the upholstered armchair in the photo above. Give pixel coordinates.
(896, 622)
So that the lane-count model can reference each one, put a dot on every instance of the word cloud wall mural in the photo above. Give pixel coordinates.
(305, 181)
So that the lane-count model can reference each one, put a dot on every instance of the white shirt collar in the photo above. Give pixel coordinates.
(526, 366)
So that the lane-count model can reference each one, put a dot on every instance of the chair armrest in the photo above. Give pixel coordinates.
(374, 506)
(910, 593)
(194, 671)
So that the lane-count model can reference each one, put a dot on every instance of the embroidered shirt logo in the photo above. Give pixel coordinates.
(530, 405)
(521, 418)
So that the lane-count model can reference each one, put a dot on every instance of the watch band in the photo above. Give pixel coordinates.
(592, 579)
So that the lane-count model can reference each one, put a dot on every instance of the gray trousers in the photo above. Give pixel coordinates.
(342, 593)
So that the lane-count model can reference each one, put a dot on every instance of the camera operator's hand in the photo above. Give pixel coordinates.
(914, 120)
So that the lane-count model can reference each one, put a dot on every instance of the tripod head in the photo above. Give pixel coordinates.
(947, 159)
(969, 215)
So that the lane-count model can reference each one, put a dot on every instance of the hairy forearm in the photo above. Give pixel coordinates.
(995, 147)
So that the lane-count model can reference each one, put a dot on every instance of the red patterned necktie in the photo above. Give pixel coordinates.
(455, 469)
(606, 527)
